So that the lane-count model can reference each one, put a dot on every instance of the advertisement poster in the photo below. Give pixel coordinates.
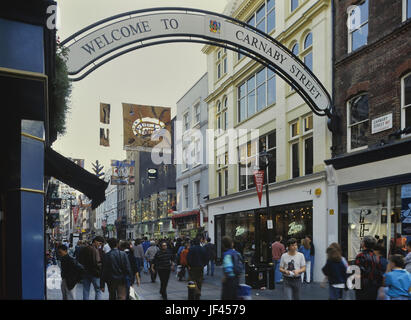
(140, 122)
(406, 210)
(122, 172)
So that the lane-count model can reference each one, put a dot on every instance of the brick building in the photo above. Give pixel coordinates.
(370, 171)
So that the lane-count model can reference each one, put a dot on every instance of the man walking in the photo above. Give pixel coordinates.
(211, 255)
(149, 255)
(231, 264)
(278, 250)
(146, 244)
(89, 257)
(70, 273)
(371, 270)
(163, 263)
(196, 260)
(139, 254)
(292, 265)
(116, 268)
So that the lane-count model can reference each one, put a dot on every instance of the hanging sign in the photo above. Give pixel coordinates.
(259, 182)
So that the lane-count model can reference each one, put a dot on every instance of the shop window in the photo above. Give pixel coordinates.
(357, 122)
(358, 26)
(382, 212)
(256, 93)
(406, 102)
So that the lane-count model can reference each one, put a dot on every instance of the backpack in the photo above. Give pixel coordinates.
(238, 263)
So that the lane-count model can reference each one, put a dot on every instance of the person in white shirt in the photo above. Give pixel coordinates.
(292, 265)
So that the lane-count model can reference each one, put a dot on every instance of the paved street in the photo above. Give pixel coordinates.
(177, 290)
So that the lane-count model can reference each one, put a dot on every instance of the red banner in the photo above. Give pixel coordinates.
(75, 213)
(259, 183)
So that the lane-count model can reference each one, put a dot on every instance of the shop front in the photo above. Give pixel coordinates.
(253, 232)
(187, 224)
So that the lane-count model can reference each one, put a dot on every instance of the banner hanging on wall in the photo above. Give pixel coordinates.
(104, 137)
(105, 113)
(140, 122)
(259, 182)
(122, 172)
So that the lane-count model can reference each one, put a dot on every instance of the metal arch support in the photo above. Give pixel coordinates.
(254, 54)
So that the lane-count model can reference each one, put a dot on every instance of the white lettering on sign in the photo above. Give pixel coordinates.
(381, 123)
(294, 228)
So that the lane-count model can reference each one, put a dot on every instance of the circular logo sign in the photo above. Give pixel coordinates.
(146, 126)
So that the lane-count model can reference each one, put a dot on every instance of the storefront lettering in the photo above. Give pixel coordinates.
(295, 228)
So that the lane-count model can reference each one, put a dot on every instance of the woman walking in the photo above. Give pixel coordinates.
(336, 271)
(305, 249)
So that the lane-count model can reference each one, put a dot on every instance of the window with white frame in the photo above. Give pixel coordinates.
(186, 122)
(197, 151)
(256, 93)
(357, 122)
(406, 10)
(406, 101)
(185, 162)
(197, 193)
(197, 113)
(221, 114)
(221, 62)
(268, 143)
(185, 195)
(293, 5)
(307, 54)
(301, 138)
(358, 26)
(222, 171)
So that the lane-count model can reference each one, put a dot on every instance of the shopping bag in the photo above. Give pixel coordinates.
(133, 294)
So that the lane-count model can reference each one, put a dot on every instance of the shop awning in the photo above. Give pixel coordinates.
(68, 172)
(186, 214)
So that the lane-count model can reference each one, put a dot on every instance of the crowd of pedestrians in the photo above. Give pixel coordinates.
(120, 264)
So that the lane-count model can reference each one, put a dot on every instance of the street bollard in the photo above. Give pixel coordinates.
(191, 286)
(271, 276)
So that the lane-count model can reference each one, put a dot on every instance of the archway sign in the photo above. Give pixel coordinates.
(107, 39)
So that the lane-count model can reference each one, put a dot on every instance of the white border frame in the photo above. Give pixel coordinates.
(403, 107)
(349, 149)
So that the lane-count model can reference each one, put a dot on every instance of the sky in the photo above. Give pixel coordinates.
(158, 75)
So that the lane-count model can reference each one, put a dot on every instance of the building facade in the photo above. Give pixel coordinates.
(370, 168)
(244, 97)
(192, 170)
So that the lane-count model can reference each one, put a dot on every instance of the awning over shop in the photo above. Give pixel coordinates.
(68, 172)
(186, 214)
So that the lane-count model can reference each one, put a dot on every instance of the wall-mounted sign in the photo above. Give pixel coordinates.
(152, 173)
(123, 172)
(269, 224)
(93, 44)
(295, 228)
(381, 124)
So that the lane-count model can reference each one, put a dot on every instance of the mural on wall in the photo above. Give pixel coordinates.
(105, 113)
(122, 172)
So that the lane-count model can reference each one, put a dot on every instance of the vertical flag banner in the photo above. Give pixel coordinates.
(259, 182)
(140, 122)
(104, 137)
(406, 210)
(105, 113)
(122, 172)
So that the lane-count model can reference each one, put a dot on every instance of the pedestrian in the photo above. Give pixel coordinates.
(163, 263)
(371, 270)
(292, 265)
(232, 269)
(305, 249)
(116, 268)
(89, 257)
(277, 249)
(408, 257)
(78, 247)
(149, 256)
(397, 280)
(312, 254)
(336, 272)
(196, 260)
(71, 250)
(71, 273)
(183, 261)
(380, 253)
(211, 254)
(139, 254)
(146, 244)
(126, 247)
(106, 248)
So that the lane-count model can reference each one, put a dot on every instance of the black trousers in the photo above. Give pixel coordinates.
(164, 275)
(230, 288)
(370, 292)
(153, 275)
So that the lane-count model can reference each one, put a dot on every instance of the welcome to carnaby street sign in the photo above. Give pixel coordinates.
(91, 45)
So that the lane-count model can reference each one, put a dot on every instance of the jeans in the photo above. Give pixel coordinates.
(164, 275)
(146, 266)
(230, 288)
(277, 274)
(335, 293)
(292, 288)
(87, 281)
(211, 264)
(67, 294)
